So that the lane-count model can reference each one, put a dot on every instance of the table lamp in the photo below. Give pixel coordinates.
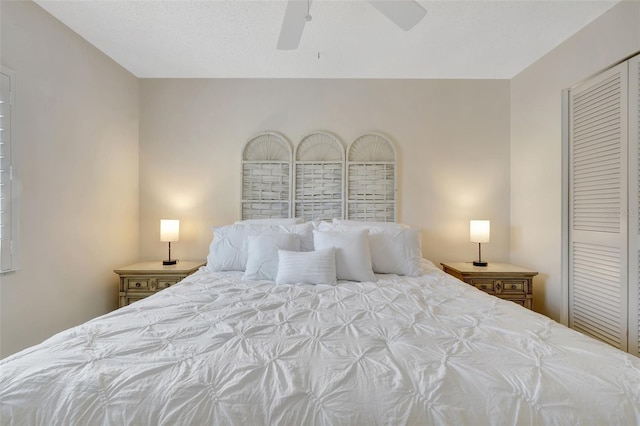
(479, 232)
(169, 231)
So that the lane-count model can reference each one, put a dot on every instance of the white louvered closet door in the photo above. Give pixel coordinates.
(634, 205)
(598, 274)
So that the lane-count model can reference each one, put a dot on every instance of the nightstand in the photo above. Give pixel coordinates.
(502, 280)
(143, 279)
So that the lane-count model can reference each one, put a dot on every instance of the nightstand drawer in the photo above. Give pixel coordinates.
(484, 284)
(525, 303)
(514, 286)
(127, 299)
(138, 283)
(167, 282)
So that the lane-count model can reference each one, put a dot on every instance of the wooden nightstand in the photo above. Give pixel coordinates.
(143, 279)
(502, 280)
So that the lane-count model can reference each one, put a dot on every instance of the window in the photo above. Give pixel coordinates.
(8, 217)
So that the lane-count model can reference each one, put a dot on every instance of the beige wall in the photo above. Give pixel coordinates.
(77, 133)
(452, 138)
(467, 149)
(77, 140)
(536, 142)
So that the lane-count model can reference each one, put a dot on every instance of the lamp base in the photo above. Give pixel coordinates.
(476, 263)
(170, 262)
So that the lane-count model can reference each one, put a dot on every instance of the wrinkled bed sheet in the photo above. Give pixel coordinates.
(219, 350)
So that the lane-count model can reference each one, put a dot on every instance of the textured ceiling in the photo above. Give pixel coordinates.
(345, 39)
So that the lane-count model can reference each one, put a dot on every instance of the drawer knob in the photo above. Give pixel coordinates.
(513, 286)
(137, 284)
(498, 285)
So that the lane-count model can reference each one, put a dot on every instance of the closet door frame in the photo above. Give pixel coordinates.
(634, 206)
(564, 255)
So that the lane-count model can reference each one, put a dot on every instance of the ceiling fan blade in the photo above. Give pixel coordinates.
(404, 13)
(293, 24)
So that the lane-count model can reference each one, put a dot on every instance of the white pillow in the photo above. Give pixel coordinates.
(229, 249)
(272, 221)
(313, 267)
(394, 250)
(353, 256)
(262, 261)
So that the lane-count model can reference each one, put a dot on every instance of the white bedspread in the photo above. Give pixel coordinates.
(219, 350)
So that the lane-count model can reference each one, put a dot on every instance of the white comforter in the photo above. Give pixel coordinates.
(219, 350)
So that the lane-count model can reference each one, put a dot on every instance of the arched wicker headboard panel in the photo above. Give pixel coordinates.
(319, 177)
(371, 179)
(318, 180)
(266, 176)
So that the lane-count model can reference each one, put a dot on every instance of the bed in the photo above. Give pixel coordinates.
(414, 346)
(221, 349)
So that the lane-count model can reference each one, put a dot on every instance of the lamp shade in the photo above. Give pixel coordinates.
(480, 231)
(169, 230)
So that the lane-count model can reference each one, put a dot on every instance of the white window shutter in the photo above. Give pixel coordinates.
(6, 185)
(598, 158)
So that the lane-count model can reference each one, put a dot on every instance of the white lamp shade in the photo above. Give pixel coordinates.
(480, 231)
(169, 230)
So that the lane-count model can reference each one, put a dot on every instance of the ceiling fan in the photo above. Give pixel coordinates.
(404, 13)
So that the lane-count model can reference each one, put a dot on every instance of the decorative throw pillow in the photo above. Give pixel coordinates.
(312, 267)
(262, 262)
(353, 256)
